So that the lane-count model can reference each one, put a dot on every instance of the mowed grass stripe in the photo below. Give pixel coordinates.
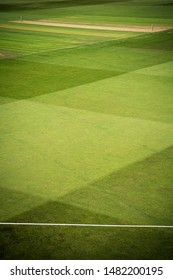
(122, 191)
(53, 150)
(124, 54)
(133, 95)
(32, 42)
(24, 79)
(129, 13)
(135, 194)
(122, 197)
(103, 167)
(70, 31)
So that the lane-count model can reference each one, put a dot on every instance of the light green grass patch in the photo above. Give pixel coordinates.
(4, 100)
(128, 95)
(163, 69)
(50, 150)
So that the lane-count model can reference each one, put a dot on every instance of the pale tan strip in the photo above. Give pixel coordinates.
(98, 27)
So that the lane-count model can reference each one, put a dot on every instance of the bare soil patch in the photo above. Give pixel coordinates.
(98, 27)
(7, 54)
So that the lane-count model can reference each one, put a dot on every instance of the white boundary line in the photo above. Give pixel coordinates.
(86, 225)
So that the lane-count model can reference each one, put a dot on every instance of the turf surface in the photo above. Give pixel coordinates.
(86, 131)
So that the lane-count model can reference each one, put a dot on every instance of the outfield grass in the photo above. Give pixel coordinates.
(86, 131)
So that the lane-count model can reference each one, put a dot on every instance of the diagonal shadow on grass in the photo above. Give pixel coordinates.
(146, 185)
(14, 202)
(141, 193)
(28, 242)
(53, 211)
(24, 79)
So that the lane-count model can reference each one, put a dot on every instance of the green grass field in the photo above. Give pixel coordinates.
(86, 130)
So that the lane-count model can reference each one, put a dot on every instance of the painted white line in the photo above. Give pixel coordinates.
(86, 225)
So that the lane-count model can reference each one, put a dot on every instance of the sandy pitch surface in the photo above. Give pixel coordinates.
(97, 27)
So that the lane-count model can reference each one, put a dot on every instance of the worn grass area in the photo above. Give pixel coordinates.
(86, 131)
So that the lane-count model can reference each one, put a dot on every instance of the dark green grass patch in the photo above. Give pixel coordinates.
(38, 5)
(22, 243)
(157, 41)
(20, 79)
